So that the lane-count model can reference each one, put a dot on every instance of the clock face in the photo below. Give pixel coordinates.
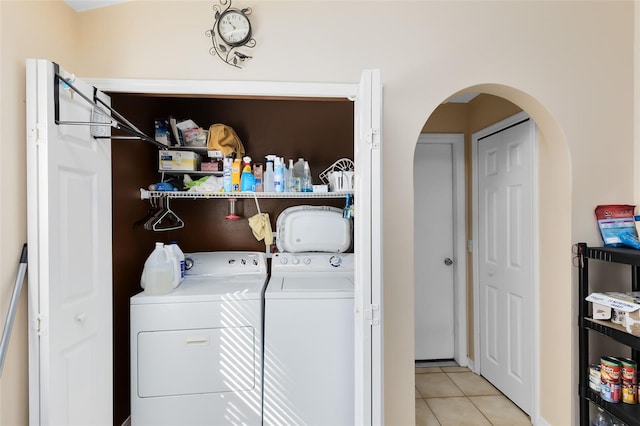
(234, 28)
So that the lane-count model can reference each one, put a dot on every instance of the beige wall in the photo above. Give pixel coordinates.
(565, 63)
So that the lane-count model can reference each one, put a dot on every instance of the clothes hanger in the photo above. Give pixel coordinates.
(153, 210)
(168, 220)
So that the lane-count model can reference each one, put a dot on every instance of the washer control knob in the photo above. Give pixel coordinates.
(284, 260)
(295, 260)
(335, 261)
(307, 260)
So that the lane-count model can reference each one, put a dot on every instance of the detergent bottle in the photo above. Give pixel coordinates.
(158, 272)
(248, 181)
(180, 255)
(235, 175)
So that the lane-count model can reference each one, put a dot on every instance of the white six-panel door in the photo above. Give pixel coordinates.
(434, 309)
(69, 238)
(505, 259)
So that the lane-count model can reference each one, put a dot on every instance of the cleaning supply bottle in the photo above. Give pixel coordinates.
(307, 184)
(269, 174)
(235, 175)
(157, 274)
(257, 174)
(226, 174)
(290, 185)
(298, 173)
(278, 175)
(248, 181)
(180, 255)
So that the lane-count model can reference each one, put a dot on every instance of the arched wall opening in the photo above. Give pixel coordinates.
(553, 277)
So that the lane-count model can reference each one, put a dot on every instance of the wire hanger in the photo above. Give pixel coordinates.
(165, 219)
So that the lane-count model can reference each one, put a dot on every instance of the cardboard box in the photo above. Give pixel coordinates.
(627, 303)
(178, 160)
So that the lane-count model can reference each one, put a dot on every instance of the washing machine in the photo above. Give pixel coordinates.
(196, 353)
(309, 324)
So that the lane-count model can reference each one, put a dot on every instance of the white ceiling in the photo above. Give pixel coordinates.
(82, 5)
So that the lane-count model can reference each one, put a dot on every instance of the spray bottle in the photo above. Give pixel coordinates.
(307, 184)
(269, 174)
(248, 181)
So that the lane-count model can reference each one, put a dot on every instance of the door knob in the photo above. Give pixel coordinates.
(448, 261)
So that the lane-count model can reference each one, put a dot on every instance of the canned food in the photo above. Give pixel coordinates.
(610, 379)
(629, 370)
(629, 393)
(629, 381)
(610, 392)
(594, 372)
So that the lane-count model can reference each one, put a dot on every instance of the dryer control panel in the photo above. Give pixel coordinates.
(312, 262)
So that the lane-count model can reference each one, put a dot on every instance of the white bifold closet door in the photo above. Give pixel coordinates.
(69, 265)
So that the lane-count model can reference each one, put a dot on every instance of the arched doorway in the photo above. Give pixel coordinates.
(493, 104)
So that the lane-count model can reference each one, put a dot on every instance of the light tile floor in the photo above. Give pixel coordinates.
(455, 396)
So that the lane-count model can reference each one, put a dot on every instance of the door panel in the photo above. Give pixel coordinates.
(368, 250)
(433, 243)
(505, 278)
(69, 237)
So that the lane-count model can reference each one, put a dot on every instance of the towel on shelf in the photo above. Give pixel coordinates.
(224, 139)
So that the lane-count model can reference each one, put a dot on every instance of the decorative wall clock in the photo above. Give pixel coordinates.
(231, 30)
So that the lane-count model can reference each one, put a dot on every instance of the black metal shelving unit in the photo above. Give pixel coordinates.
(628, 413)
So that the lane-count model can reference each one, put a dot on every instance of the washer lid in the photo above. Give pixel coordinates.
(327, 286)
(313, 229)
(208, 289)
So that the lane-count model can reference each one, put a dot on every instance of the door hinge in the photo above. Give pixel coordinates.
(372, 314)
(39, 130)
(42, 324)
(372, 138)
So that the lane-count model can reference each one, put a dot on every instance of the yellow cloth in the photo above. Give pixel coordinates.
(223, 138)
(261, 227)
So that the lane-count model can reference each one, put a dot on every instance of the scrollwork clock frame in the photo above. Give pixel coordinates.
(229, 53)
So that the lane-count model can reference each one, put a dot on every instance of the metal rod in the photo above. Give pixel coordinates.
(105, 110)
(6, 333)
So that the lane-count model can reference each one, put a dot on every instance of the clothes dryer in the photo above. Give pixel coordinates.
(309, 340)
(196, 353)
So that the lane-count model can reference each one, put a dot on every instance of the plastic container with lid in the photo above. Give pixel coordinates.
(158, 272)
(313, 228)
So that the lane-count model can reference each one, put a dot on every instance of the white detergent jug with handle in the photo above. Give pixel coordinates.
(158, 272)
(175, 264)
(178, 252)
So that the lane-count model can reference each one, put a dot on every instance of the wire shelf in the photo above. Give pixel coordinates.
(145, 194)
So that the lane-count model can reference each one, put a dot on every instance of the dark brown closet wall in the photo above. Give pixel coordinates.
(320, 130)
